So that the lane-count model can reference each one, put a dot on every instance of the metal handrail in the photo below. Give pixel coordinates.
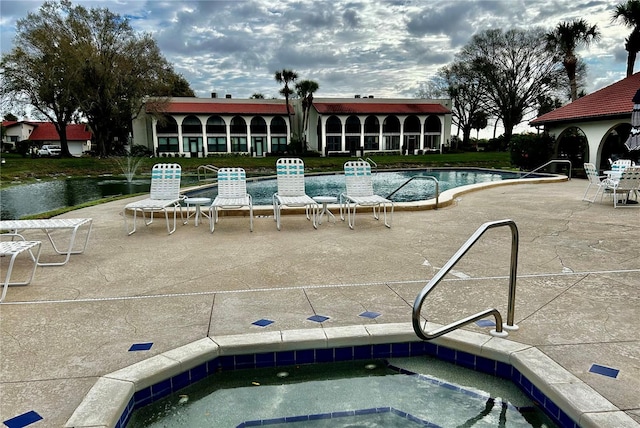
(370, 161)
(417, 305)
(206, 168)
(426, 177)
(549, 163)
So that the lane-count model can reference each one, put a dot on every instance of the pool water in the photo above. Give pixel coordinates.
(399, 392)
(384, 183)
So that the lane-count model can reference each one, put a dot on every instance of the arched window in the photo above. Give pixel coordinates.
(191, 125)
(258, 126)
(334, 134)
(216, 125)
(216, 135)
(412, 125)
(432, 131)
(167, 130)
(238, 134)
(167, 125)
(278, 128)
(372, 133)
(391, 133)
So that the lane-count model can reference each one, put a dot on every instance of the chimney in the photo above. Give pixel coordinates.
(214, 95)
(228, 96)
(357, 96)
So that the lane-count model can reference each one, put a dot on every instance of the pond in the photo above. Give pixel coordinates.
(35, 198)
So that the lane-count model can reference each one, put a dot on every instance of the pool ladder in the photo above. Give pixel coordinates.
(498, 332)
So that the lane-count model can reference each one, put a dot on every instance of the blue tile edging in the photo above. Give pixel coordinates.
(156, 377)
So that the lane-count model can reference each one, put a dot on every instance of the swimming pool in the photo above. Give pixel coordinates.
(399, 392)
(384, 182)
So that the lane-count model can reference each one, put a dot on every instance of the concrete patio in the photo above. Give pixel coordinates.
(577, 301)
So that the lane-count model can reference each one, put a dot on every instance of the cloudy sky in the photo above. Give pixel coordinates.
(367, 47)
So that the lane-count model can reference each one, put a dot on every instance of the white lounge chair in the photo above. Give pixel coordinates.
(232, 194)
(594, 180)
(14, 248)
(359, 183)
(164, 195)
(291, 190)
(625, 187)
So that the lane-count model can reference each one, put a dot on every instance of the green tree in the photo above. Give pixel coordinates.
(42, 69)
(120, 69)
(286, 77)
(629, 14)
(71, 61)
(479, 120)
(513, 69)
(305, 90)
(257, 96)
(564, 40)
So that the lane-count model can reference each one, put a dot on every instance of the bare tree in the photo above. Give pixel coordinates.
(513, 69)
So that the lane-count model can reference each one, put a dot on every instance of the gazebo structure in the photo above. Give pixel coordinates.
(602, 118)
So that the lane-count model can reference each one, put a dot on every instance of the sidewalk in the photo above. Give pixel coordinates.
(578, 295)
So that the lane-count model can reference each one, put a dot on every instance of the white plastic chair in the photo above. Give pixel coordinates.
(594, 180)
(627, 185)
(359, 183)
(291, 190)
(232, 195)
(164, 194)
(618, 167)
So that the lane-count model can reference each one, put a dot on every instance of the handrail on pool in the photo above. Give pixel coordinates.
(549, 163)
(427, 177)
(417, 305)
(206, 168)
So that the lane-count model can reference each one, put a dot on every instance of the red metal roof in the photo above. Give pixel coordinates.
(227, 108)
(379, 108)
(612, 101)
(46, 131)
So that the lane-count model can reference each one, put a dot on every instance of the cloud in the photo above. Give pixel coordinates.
(382, 48)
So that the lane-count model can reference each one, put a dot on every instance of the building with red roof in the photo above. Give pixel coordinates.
(603, 117)
(201, 127)
(38, 134)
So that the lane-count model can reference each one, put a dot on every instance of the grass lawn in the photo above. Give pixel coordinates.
(18, 170)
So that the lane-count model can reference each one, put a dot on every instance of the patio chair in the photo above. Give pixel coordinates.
(594, 180)
(618, 167)
(14, 248)
(625, 187)
(232, 195)
(164, 195)
(359, 192)
(291, 190)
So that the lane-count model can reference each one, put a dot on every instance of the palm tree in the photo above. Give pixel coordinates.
(564, 40)
(305, 90)
(629, 14)
(286, 76)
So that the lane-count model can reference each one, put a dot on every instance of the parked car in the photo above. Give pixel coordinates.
(49, 150)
